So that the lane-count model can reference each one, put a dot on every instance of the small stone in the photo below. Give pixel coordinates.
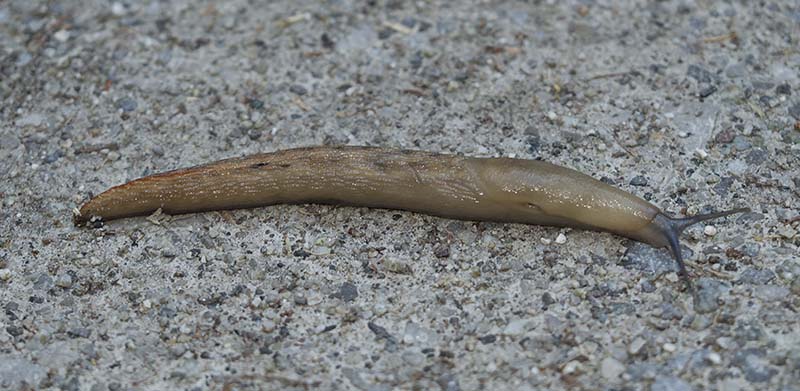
(571, 367)
(638, 180)
(611, 369)
(700, 74)
(118, 9)
(64, 280)
(127, 104)
(347, 292)
(79, 332)
(297, 89)
(61, 35)
(636, 346)
(441, 251)
(700, 153)
(561, 239)
(706, 92)
(714, 358)
(741, 143)
(756, 156)
(300, 300)
(707, 295)
(552, 116)
(547, 299)
(710, 230)
(783, 89)
(5, 274)
(14, 331)
(669, 347)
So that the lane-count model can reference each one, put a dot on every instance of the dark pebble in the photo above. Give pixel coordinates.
(487, 339)
(255, 104)
(127, 104)
(725, 136)
(783, 89)
(708, 91)
(168, 311)
(416, 60)
(347, 292)
(547, 299)
(651, 260)
(53, 156)
(298, 89)
(379, 331)
(254, 134)
(327, 42)
(639, 180)
(14, 331)
(700, 74)
(723, 186)
(441, 251)
(385, 33)
(756, 156)
(648, 287)
(79, 332)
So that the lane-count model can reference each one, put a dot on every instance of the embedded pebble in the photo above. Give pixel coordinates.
(64, 280)
(611, 369)
(561, 238)
(710, 230)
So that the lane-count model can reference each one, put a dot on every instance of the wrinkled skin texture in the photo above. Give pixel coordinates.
(485, 189)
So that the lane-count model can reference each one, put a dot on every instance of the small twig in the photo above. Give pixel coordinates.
(398, 27)
(720, 38)
(718, 274)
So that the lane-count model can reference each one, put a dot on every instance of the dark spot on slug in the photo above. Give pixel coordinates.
(259, 165)
(284, 165)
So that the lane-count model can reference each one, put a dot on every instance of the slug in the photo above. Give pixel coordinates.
(465, 188)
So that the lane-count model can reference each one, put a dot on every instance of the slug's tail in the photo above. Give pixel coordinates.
(672, 227)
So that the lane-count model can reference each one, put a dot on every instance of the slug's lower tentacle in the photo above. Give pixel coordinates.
(672, 227)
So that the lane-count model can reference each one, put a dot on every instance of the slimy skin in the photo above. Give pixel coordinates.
(465, 188)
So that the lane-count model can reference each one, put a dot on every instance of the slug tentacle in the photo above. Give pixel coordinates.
(672, 227)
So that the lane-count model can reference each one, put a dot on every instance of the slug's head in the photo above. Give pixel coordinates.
(665, 231)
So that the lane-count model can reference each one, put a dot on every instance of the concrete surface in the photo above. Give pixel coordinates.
(693, 106)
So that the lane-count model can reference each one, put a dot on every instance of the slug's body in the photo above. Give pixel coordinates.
(485, 189)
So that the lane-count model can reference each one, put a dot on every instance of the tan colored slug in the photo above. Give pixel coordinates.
(458, 187)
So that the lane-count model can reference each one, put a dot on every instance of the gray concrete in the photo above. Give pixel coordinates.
(662, 100)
